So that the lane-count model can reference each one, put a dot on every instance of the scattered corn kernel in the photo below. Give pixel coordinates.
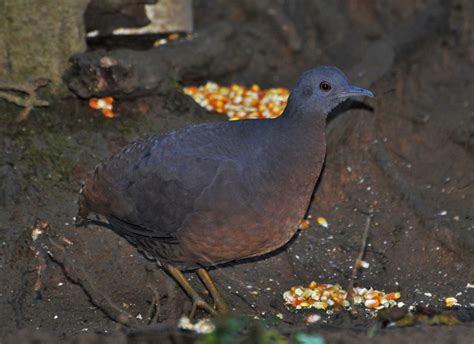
(108, 100)
(170, 38)
(159, 42)
(329, 297)
(108, 113)
(451, 301)
(240, 102)
(372, 303)
(173, 36)
(104, 104)
(393, 296)
(362, 264)
(322, 221)
(311, 319)
(320, 305)
(372, 294)
(38, 229)
(94, 103)
(304, 225)
(202, 326)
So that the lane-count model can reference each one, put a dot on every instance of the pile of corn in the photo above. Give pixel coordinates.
(240, 102)
(329, 296)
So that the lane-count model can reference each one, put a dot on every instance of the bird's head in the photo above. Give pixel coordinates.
(321, 89)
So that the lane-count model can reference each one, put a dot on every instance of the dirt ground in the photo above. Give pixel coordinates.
(406, 156)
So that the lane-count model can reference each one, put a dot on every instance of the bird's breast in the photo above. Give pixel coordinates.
(255, 217)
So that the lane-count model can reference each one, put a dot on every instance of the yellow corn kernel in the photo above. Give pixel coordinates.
(450, 301)
(322, 221)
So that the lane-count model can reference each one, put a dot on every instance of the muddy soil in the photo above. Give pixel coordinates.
(407, 157)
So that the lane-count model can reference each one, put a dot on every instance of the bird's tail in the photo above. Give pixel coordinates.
(83, 207)
(82, 218)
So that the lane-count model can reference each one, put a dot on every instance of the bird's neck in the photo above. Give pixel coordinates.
(300, 141)
(303, 131)
(294, 159)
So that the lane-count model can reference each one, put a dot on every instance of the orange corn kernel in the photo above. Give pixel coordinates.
(94, 103)
(372, 294)
(255, 88)
(372, 303)
(173, 37)
(304, 225)
(108, 113)
(393, 296)
(108, 100)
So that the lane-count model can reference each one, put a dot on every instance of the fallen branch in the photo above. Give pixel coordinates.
(24, 94)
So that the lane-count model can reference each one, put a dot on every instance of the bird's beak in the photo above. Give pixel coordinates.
(354, 91)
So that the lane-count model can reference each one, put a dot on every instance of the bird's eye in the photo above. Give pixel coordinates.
(325, 86)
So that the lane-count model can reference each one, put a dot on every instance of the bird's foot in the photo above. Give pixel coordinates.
(220, 305)
(199, 303)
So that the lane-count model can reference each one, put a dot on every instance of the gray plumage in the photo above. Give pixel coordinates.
(212, 193)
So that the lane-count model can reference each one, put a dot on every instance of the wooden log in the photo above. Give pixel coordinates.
(213, 52)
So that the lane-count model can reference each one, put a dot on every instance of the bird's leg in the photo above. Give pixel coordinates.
(219, 302)
(198, 301)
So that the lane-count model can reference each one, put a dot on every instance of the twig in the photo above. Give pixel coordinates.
(78, 275)
(24, 94)
(360, 256)
(154, 310)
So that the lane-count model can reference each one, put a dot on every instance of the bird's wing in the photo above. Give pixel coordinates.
(163, 181)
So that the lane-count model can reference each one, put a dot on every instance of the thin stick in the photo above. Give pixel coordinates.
(24, 94)
(154, 310)
(78, 275)
(356, 265)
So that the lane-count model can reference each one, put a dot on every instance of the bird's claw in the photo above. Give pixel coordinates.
(201, 304)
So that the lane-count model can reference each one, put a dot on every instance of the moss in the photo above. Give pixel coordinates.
(66, 138)
(48, 153)
(53, 160)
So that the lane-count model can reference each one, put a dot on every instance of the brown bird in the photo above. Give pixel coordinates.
(212, 193)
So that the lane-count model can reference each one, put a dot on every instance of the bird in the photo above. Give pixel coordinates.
(212, 193)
